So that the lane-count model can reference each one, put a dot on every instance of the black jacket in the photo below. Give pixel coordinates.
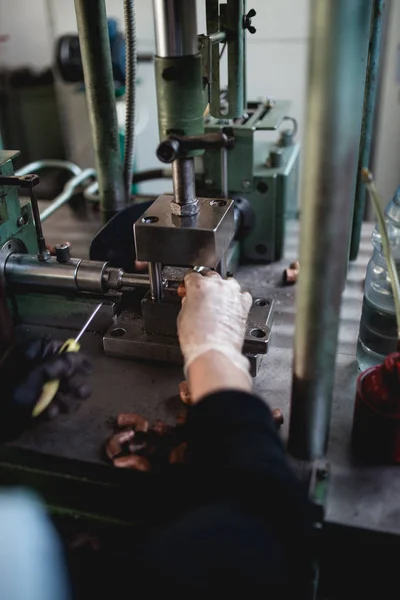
(242, 524)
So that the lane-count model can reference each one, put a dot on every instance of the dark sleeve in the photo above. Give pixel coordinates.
(244, 519)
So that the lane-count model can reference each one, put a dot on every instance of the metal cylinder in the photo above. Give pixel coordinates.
(132, 280)
(175, 27)
(26, 269)
(89, 276)
(155, 276)
(99, 82)
(183, 181)
(339, 41)
(76, 274)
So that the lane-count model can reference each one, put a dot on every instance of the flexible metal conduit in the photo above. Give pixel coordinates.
(130, 94)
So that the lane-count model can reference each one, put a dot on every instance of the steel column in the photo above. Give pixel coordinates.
(338, 47)
(371, 86)
(97, 69)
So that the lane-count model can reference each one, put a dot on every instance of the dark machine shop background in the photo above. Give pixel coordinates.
(284, 114)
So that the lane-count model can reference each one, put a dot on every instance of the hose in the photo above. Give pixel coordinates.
(91, 192)
(50, 163)
(130, 87)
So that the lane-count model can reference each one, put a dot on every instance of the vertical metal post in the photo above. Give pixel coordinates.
(371, 85)
(97, 69)
(338, 48)
(155, 277)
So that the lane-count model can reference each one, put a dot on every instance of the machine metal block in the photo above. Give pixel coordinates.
(201, 240)
(127, 337)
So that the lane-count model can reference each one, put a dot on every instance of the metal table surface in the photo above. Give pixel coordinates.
(359, 496)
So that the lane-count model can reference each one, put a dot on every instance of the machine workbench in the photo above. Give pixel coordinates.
(72, 446)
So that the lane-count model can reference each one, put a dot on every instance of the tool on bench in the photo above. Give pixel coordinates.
(50, 389)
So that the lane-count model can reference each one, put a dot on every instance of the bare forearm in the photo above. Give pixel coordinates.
(212, 372)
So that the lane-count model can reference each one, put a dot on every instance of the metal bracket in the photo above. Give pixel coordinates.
(30, 181)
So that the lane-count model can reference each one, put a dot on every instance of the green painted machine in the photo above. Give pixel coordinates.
(16, 219)
(261, 177)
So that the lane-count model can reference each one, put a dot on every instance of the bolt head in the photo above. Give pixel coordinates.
(246, 184)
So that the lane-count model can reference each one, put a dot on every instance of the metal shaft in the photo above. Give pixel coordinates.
(175, 27)
(75, 275)
(339, 42)
(183, 181)
(97, 69)
(371, 87)
(155, 276)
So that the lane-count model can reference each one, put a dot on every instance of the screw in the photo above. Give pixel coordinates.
(246, 183)
(247, 21)
(22, 220)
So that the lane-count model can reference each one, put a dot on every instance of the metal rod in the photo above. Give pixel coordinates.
(183, 181)
(97, 69)
(339, 43)
(90, 319)
(175, 27)
(75, 275)
(67, 192)
(371, 86)
(224, 172)
(43, 252)
(155, 276)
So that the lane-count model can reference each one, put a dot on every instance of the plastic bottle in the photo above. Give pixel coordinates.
(378, 331)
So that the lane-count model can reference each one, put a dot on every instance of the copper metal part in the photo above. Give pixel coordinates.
(133, 420)
(178, 454)
(132, 461)
(181, 291)
(184, 393)
(114, 444)
(277, 417)
(291, 274)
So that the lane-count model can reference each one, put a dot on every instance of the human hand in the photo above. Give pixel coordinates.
(25, 369)
(212, 321)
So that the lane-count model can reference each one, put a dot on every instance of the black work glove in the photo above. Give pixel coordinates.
(24, 370)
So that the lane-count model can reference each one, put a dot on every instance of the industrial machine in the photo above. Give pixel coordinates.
(230, 197)
(233, 208)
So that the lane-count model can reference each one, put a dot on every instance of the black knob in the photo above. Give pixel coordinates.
(168, 151)
(62, 253)
(247, 21)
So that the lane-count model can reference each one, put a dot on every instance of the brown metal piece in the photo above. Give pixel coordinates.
(181, 291)
(277, 417)
(133, 420)
(132, 461)
(180, 420)
(161, 428)
(291, 274)
(178, 454)
(184, 393)
(114, 444)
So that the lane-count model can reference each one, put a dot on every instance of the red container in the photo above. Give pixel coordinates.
(376, 420)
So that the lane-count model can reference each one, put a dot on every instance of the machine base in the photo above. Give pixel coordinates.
(127, 338)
